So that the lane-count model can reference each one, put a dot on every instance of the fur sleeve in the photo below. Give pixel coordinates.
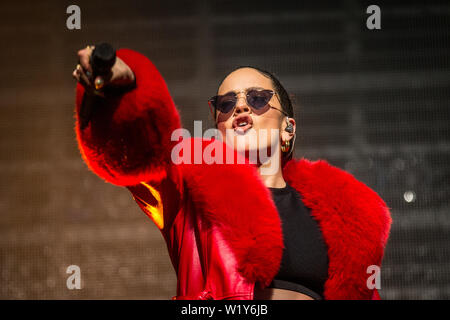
(127, 139)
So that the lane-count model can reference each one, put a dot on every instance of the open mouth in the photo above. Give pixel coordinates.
(242, 123)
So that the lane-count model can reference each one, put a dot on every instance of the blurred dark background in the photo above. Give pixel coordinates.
(375, 103)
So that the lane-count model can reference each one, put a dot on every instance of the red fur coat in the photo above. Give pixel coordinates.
(220, 224)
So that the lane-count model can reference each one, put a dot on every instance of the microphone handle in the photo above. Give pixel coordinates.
(102, 60)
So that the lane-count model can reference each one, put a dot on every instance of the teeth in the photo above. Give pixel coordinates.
(242, 124)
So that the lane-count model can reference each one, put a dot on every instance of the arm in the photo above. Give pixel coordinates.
(128, 137)
(126, 141)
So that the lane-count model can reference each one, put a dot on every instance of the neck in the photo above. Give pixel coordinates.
(274, 180)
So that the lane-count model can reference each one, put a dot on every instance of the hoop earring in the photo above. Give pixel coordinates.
(285, 145)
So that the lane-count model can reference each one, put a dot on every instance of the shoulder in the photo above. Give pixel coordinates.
(337, 191)
(354, 220)
(321, 174)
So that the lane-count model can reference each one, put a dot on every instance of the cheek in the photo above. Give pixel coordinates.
(222, 125)
(271, 134)
(268, 123)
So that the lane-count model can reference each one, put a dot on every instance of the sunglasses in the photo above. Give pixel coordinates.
(257, 99)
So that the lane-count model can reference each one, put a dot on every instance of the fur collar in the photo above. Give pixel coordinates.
(235, 198)
(354, 220)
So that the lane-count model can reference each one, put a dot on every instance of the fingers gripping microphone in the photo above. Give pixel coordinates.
(102, 59)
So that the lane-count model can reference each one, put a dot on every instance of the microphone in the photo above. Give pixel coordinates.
(102, 59)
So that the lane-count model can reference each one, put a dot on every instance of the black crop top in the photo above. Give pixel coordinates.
(304, 264)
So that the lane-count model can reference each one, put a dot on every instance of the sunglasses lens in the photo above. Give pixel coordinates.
(258, 99)
(226, 103)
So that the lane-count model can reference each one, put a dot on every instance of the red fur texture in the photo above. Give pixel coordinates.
(233, 197)
(128, 138)
(354, 220)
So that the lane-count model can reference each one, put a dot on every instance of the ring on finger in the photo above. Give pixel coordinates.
(99, 83)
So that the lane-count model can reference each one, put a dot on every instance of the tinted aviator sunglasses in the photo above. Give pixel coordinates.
(257, 99)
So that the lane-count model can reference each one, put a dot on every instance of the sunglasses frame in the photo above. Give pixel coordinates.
(246, 91)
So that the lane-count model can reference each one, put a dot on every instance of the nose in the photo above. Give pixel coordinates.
(241, 104)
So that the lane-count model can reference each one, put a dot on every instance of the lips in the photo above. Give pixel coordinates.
(242, 123)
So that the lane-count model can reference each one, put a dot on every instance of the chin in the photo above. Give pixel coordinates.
(255, 155)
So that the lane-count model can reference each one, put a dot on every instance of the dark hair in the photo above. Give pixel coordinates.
(285, 100)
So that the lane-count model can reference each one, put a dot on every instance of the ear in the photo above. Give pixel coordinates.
(284, 134)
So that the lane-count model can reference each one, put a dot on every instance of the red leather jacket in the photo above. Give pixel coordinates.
(220, 224)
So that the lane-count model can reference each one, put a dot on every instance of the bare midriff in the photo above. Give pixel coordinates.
(279, 294)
